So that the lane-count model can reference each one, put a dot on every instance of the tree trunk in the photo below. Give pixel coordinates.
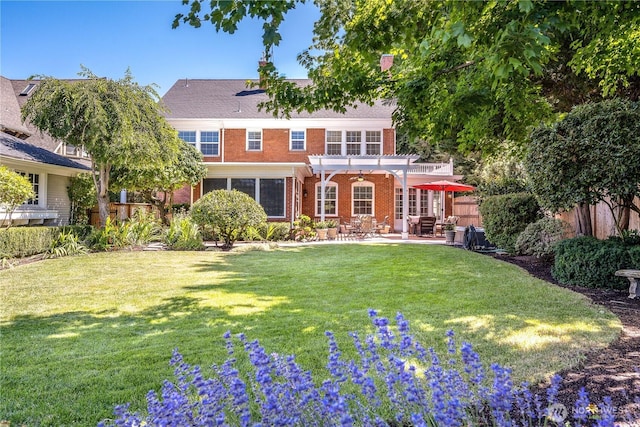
(583, 220)
(103, 209)
(624, 215)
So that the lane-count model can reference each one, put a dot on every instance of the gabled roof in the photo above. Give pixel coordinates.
(10, 120)
(233, 99)
(15, 148)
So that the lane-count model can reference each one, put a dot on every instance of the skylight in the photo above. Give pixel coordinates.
(27, 89)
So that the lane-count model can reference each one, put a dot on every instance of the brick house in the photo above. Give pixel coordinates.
(285, 163)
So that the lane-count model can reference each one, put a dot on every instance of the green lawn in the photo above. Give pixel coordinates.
(81, 334)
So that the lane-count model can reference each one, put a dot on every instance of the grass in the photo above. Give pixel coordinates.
(82, 334)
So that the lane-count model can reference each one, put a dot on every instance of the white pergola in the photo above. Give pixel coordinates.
(397, 165)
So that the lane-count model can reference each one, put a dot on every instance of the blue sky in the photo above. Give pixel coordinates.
(55, 37)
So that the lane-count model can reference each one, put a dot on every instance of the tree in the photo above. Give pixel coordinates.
(229, 213)
(591, 156)
(82, 194)
(15, 189)
(157, 184)
(118, 122)
(466, 75)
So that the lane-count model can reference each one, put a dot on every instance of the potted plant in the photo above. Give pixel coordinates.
(322, 230)
(449, 233)
(303, 229)
(332, 228)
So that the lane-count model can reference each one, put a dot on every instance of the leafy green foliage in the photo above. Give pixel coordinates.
(66, 244)
(540, 237)
(15, 189)
(109, 237)
(183, 234)
(21, 242)
(117, 122)
(587, 261)
(466, 75)
(158, 182)
(303, 228)
(82, 194)
(229, 213)
(504, 217)
(592, 155)
(269, 231)
(143, 227)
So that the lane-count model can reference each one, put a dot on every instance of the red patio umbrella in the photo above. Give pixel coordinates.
(444, 185)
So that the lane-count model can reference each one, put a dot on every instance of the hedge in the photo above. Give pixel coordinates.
(505, 216)
(589, 262)
(19, 242)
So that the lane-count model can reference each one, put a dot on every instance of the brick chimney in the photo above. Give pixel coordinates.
(261, 64)
(386, 62)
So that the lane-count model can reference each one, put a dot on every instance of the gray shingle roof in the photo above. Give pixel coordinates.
(16, 148)
(10, 111)
(232, 99)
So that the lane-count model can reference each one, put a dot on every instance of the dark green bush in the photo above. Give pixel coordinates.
(540, 237)
(587, 261)
(505, 216)
(18, 242)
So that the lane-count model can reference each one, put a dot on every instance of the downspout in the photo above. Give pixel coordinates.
(293, 196)
(323, 186)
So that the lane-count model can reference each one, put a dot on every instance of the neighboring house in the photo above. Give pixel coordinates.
(285, 163)
(46, 162)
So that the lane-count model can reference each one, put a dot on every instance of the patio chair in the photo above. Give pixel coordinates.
(427, 225)
(383, 227)
(414, 222)
(367, 226)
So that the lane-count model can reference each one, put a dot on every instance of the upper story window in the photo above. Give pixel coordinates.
(210, 143)
(254, 140)
(373, 139)
(207, 142)
(334, 142)
(297, 142)
(354, 142)
(188, 136)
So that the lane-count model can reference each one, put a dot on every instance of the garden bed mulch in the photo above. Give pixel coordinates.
(614, 371)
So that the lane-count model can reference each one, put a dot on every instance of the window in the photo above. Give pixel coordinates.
(330, 199)
(334, 142)
(354, 141)
(362, 199)
(297, 140)
(27, 89)
(412, 208)
(246, 185)
(210, 184)
(188, 136)
(210, 143)
(254, 140)
(270, 193)
(34, 179)
(373, 142)
(272, 196)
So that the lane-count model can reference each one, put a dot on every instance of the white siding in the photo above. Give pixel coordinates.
(57, 197)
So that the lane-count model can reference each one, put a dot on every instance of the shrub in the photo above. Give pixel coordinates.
(183, 234)
(18, 242)
(504, 217)
(393, 381)
(229, 213)
(15, 189)
(111, 236)
(587, 261)
(540, 237)
(143, 227)
(303, 228)
(66, 244)
(269, 231)
(82, 194)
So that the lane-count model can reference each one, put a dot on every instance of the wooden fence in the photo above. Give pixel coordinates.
(466, 209)
(119, 211)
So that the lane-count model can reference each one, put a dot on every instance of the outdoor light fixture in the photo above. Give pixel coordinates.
(304, 193)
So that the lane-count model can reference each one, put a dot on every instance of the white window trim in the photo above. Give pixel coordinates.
(315, 195)
(261, 140)
(363, 140)
(304, 140)
(373, 196)
(199, 142)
